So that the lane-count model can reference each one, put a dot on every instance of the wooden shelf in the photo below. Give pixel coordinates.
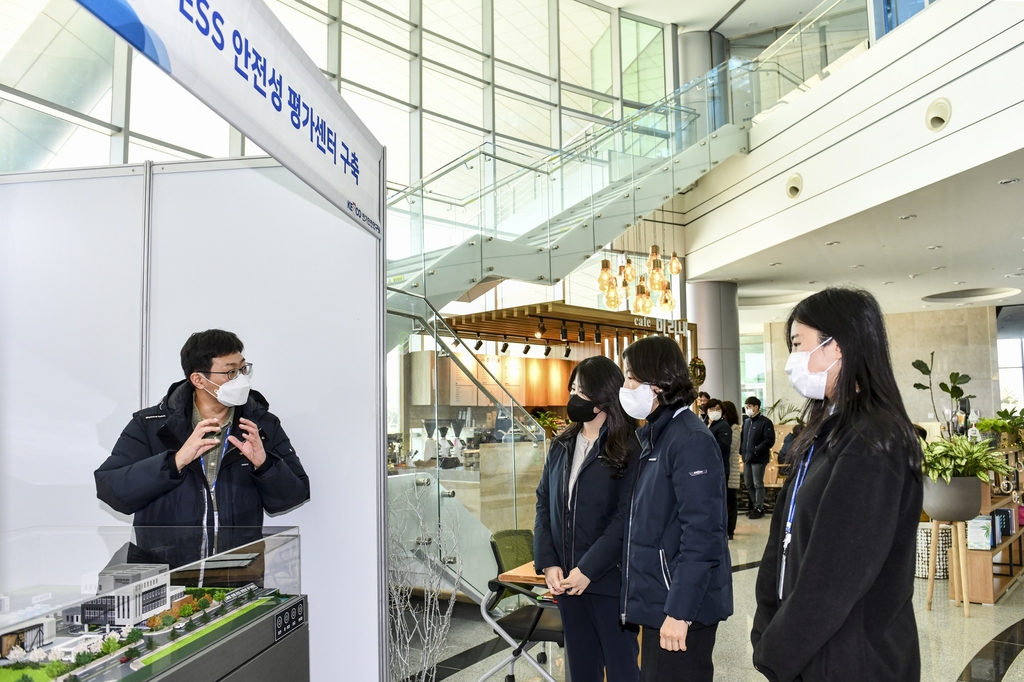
(1001, 583)
(996, 503)
(1002, 545)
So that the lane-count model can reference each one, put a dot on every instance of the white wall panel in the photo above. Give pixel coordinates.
(70, 320)
(254, 251)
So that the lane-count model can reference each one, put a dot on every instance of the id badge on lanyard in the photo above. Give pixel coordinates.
(792, 511)
(213, 486)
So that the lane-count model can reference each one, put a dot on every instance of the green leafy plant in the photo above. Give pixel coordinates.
(55, 669)
(781, 412)
(110, 645)
(174, 634)
(83, 658)
(959, 457)
(954, 388)
(218, 595)
(134, 635)
(150, 644)
(550, 421)
(167, 620)
(186, 610)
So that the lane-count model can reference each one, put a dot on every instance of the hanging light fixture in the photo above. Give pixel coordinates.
(629, 271)
(563, 333)
(567, 351)
(604, 279)
(597, 334)
(526, 348)
(655, 255)
(504, 346)
(668, 301)
(479, 342)
(675, 266)
(612, 298)
(581, 335)
(657, 280)
(547, 348)
(641, 293)
(540, 329)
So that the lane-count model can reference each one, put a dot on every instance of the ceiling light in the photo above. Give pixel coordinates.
(526, 348)
(939, 267)
(597, 334)
(909, 216)
(813, 281)
(504, 346)
(856, 266)
(540, 329)
(958, 283)
(926, 306)
(913, 276)
(1016, 274)
(567, 350)
(563, 333)
(888, 281)
(456, 341)
(581, 335)
(831, 243)
(1009, 181)
(479, 342)
(934, 248)
(547, 348)
(772, 265)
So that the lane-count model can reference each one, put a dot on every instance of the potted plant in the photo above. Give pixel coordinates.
(953, 389)
(960, 464)
(550, 422)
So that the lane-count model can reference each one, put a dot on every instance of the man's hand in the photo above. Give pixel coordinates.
(553, 576)
(576, 583)
(673, 634)
(251, 446)
(196, 446)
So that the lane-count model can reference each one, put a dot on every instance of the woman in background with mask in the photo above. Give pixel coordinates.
(584, 480)
(735, 480)
(721, 431)
(835, 586)
(676, 567)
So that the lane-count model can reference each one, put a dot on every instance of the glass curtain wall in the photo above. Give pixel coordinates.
(433, 79)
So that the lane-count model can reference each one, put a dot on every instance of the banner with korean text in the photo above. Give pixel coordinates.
(237, 57)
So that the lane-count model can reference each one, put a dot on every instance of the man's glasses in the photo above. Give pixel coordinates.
(244, 370)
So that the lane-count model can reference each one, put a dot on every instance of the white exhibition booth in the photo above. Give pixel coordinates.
(105, 272)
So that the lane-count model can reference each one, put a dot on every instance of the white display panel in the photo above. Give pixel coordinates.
(70, 321)
(256, 252)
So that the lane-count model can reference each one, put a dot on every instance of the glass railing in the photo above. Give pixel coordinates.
(464, 457)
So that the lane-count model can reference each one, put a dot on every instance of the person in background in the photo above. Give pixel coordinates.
(702, 406)
(677, 575)
(756, 443)
(583, 486)
(734, 483)
(787, 443)
(721, 431)
(835, 586)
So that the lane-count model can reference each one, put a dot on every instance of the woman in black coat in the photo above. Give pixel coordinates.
(583, 484)
(677, 571)
(836, 583)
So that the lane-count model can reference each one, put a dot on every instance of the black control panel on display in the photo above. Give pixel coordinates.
(289, 618)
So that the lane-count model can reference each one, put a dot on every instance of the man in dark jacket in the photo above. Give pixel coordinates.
(756, 443)
(209, 455)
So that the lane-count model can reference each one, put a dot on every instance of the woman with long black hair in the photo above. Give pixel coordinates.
(835, 585)
(678, 575)
(580, 491)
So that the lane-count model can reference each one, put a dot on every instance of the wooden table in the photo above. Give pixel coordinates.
(526, 577)
(523, 575)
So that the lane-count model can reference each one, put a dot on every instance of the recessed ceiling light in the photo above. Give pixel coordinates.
(1009, 181)
(1002, 300)
(959, 283)
(753, 23)
(909, 216)
(772, 265)
(831, 243)
(813, 281)
(934, 248)
(856, 266)
(1016, 274)
(926, 306)
(887, 282)
(939, 267)
(913, 276)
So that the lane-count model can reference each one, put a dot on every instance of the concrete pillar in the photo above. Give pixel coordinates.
(699, 52)
(714, 307)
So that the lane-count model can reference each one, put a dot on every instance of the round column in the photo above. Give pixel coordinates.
(699, 52)
(714, 308)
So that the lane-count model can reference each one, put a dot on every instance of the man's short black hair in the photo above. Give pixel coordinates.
(752, 400)
(704, 394)
(202, 347)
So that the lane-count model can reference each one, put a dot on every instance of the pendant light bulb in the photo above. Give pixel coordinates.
(655, 255)
(629, 271)
(612, 298)
(675, 266)
(605, 277)
(657, 275)
(668, 301)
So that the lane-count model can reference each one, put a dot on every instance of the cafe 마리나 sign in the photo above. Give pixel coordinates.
(237, 57)
(660, 325)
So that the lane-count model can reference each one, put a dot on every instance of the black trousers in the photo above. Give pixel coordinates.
(693, 665)
(730, 503)
(596, 640)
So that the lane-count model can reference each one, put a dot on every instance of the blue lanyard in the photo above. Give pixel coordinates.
(804, 466)
(223, 451)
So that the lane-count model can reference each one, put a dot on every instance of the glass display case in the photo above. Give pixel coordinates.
(126, 603)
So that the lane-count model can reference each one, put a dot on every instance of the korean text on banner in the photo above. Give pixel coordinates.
(237, 57)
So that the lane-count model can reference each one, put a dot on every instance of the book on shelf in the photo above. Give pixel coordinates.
(979, 533)
(1003, 520)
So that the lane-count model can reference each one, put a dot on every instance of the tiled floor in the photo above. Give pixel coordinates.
(986, 644)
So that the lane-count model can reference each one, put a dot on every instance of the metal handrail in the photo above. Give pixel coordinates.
(451, 332)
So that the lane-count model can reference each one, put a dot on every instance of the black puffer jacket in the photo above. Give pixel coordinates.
(676, 554)
(140, 476)
(757, 439)
(847, 614)
(577, 536)
(722, 432)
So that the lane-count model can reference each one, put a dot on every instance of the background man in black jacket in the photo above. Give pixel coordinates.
(210, 454)
(756, 443)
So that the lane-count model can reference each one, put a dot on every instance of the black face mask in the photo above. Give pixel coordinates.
(580, 410)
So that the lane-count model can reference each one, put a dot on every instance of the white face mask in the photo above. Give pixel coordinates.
(637, 401)
(807, 383)
(749, 411)
(232, 393)
(714, 416)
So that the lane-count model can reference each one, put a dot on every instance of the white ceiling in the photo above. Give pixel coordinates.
(978, 223)
(701, 15)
